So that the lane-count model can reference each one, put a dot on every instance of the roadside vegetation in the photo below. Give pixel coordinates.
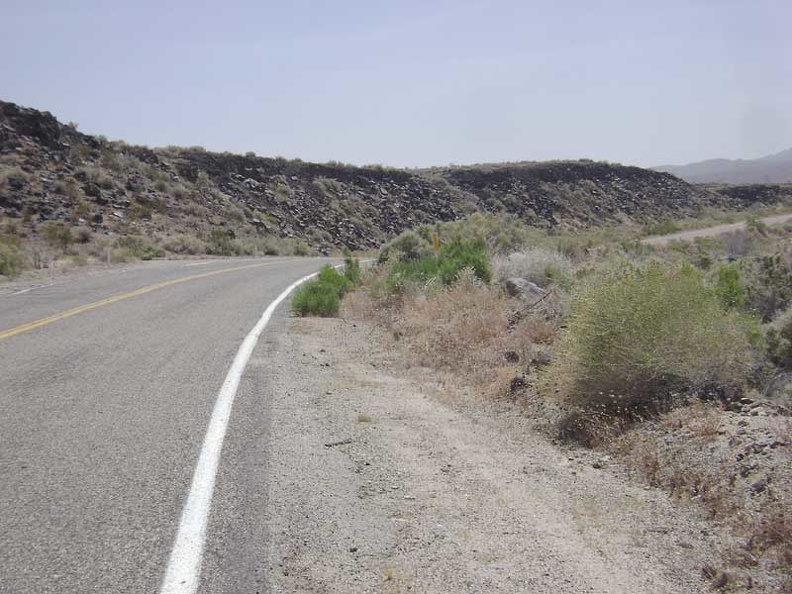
(676, 361)
(60, 245)
(321, 297)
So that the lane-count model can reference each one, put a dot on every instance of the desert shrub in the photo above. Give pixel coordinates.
(57, 235)
(222, 242)
(12, 262)
(638, 333)
(460, 328)
(82, 235)
(321, 296)
(316, 299)
(331, 277)
(111, 160)
(352, 270)
(778, 339)
(137, 246)
(234, 212)
(407, 246)
(460, 254)
(729, 287)
(13, 177)
(327, 186)
(756, 225)
(451, 259)
(768, 284)
(500, 233)
(120, 256)
(185, 244)
(665, 227)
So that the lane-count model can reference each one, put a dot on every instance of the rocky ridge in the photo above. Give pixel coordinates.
(50, 171)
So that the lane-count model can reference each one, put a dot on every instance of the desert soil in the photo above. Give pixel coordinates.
(388, 479)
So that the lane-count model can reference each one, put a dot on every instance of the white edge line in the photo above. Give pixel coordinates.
(184, 565)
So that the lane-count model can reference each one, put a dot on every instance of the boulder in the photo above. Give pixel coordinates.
(521, 287)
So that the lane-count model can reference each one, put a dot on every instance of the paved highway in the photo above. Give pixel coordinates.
(107, 384)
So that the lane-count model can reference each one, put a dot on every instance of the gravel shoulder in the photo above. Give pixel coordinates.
(383, 479)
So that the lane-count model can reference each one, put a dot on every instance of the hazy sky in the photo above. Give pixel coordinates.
(411, 83)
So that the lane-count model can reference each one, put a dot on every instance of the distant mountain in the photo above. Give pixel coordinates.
(772, 169)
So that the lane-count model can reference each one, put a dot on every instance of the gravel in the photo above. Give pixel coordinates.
(381, 479)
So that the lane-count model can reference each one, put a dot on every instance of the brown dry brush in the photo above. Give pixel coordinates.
(472, 330)
(763, 524)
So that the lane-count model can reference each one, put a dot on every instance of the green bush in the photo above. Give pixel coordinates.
(332, 278)
(185, 244)
(456, 255)
(57, 235)
(12, 262)
(137, 246)
(322, 296)
(223, 242)
(729, 287)
(407, 246)
(768, 284)
(316, 299)
(445, 266)
(352, 270)
(778, 338)
(639, 333)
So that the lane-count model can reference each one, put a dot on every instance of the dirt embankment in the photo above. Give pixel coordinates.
(384, 479)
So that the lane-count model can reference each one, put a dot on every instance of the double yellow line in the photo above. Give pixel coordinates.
(107, 301)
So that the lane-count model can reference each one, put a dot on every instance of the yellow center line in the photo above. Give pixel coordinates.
(107, 301)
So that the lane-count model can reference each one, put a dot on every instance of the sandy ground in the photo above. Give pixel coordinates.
(383, 479)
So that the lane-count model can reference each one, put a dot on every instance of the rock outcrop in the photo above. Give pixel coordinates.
(51, 172)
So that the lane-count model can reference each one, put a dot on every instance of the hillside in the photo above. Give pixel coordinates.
(772, 169)
(60, 185)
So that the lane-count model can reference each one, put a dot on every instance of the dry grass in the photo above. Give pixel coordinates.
(710, 486)
(702, 419)
(690, 452)
(495, 344)
(460, 329)
(485, 338)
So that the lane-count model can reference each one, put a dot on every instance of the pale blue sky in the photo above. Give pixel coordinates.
(413, 83)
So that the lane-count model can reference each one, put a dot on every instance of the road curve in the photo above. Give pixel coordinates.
(103, 412)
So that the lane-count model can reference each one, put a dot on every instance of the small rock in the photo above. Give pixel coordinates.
(760, 485)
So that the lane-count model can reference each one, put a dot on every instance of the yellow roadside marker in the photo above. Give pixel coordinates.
(142, 291)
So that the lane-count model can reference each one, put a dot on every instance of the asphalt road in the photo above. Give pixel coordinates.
(103, 413)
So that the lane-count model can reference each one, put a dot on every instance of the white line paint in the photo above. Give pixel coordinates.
(29, 289)
(184, 566)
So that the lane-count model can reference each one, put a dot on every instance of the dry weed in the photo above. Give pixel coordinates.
(702, 419)
(484, 337)
(773, 533)
(781, 430)
(461, 328)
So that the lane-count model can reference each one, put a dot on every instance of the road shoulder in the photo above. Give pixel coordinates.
(381, 480)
